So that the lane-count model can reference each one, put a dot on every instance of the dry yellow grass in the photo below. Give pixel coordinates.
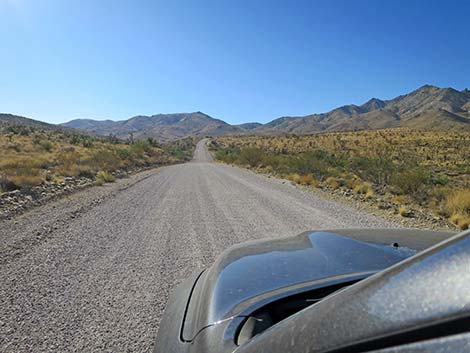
(334, 183)
(458, 207)
(403, 211)
(307, 180)
(30, 159)
(400, 199)
(370, 194)
(363, 188)
(459, 201)
(294, 177)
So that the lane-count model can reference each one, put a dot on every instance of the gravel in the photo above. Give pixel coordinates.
(92, 272)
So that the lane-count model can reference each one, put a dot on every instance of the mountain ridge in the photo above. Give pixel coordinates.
(163, 127)
(443, 108)
(428, 107)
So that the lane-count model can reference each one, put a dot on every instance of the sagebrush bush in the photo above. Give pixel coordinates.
(334, 182)
(251, 156)
(307, 180)
(362, 188)
(46, 145)
(294, 177)
(400, 199)
(411, 181)
(106, 176)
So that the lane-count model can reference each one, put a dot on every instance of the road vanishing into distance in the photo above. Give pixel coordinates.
(91, 272)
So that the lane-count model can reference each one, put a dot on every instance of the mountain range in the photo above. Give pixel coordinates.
(428, 107)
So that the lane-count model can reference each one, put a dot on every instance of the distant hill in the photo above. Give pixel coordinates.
(428, 107)
(7, 120)
(163, 127)
(249, 126)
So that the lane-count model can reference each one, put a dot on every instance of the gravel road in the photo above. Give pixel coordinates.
(91, 272)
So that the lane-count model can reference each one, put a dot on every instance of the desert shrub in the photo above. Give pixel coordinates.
(280, 163)
(437, 200)
(307, 180)
(124, 153)
(411, 181)
(46, 145)
(22, 172)
(439, 179)
(458, 207)
(461, 220)
(334, 183)
(362, 188)
(227, 155)
(75, 139)
(153, 142)
(86, 171)
(104, 177)
(401, 199)
(251, 156)
(318, 162)
(178, 153)
(459, 202)
(87, 143)
(141, 146)
(67, 163)
(105, 160)
(378, 170)
(27, 181)
(293, 177)
(369, 194)
(403, 211)
(99, 182)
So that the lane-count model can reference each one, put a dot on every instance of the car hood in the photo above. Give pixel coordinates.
(256, 271)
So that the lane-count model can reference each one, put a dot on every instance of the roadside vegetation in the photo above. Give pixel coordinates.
(409, 169)
(31, 157)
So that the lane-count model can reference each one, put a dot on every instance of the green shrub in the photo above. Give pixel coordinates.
(439, 179)
(227, 155)
(252, 156)
(87, 143)
(75, 139)
(124, 153)
(104, 177)
(141, 146)
(378, 170)
(411, 181)
(46, 145)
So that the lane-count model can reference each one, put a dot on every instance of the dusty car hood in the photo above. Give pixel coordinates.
(252, 271)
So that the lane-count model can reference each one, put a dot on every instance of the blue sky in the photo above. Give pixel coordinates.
(237, 60)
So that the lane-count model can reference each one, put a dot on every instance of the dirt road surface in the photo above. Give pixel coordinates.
(92, 272)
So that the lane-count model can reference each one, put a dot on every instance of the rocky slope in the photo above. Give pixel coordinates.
(428, 107)
(163, 127)
(10, 120)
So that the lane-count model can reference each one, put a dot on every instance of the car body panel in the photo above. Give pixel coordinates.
(425, 294)
(254, 273)
(238, 275)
